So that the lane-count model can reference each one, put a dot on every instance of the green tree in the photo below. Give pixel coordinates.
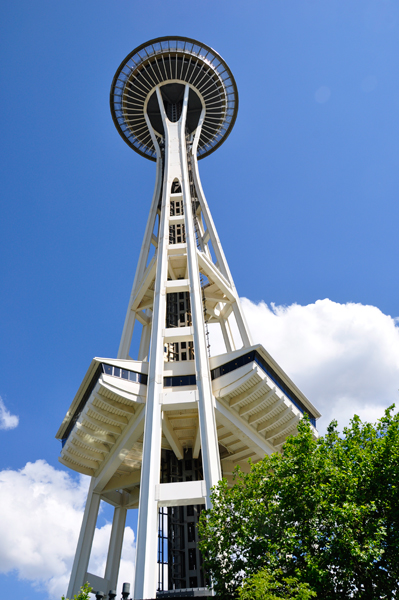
(84, 593)
(326, 509)
(266, 585)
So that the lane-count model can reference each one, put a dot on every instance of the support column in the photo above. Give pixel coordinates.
(115, 547)
(130, 318)
(83, 550)
(176, 167)
(147, 531)
(220, 257)
(145, 340)
(206, 412)
(225, 335)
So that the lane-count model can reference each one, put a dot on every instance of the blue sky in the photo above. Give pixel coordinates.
(304, 194)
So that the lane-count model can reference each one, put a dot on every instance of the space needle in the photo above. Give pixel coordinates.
(156, 431)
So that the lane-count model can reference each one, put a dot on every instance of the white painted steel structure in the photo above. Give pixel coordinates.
(226, 408)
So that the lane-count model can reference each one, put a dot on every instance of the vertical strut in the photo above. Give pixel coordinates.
(194, 201)
(165, 317)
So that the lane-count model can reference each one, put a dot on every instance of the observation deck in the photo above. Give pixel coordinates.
(170, 63)
(257, 407)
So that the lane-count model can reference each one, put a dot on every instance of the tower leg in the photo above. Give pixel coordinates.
(225, 334)
(83, 550)
(147, 530)
(115, 546)
(221, 259)
(145, 343)
(175, 168)
(206, 413)
(128, 327)
(147, 527)
(242, 326)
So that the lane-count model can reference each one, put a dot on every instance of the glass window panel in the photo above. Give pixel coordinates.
(142, 378)
(192, 559)
(191, 532)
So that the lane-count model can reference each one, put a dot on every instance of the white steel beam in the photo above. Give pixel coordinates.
(123, 481)
(86, 462)
(97, 583)
(197, 443)
(127, 332)
(284, 427)
(97, 435)
(147, 534)
(180, 400)
(256, 403)
(145, 340)
(177, 285)
(226, 338)
(281, 415)
(83, 550)
(221, 259)
(144, 284)
(237, 378)
(215, 275)
(172, 437)
(242, 430)
(117, 419)
(143, 318)
(266, 411)
(248, 393)
(175, 334)
(209, 442)
(119, 452)
(115, 547)
(75, 466)
(181, 494)
(243, 454)
(129, 409)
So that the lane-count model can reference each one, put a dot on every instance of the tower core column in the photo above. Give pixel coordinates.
(176, 175)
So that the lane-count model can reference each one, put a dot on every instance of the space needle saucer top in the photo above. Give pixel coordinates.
(170, 63)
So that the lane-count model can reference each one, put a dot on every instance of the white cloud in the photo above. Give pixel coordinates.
(44, 508)
(344, 357)
(7, 420)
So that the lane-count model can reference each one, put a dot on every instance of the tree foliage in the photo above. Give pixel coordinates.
(84, 593)
(326, 509)
(266, 585)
